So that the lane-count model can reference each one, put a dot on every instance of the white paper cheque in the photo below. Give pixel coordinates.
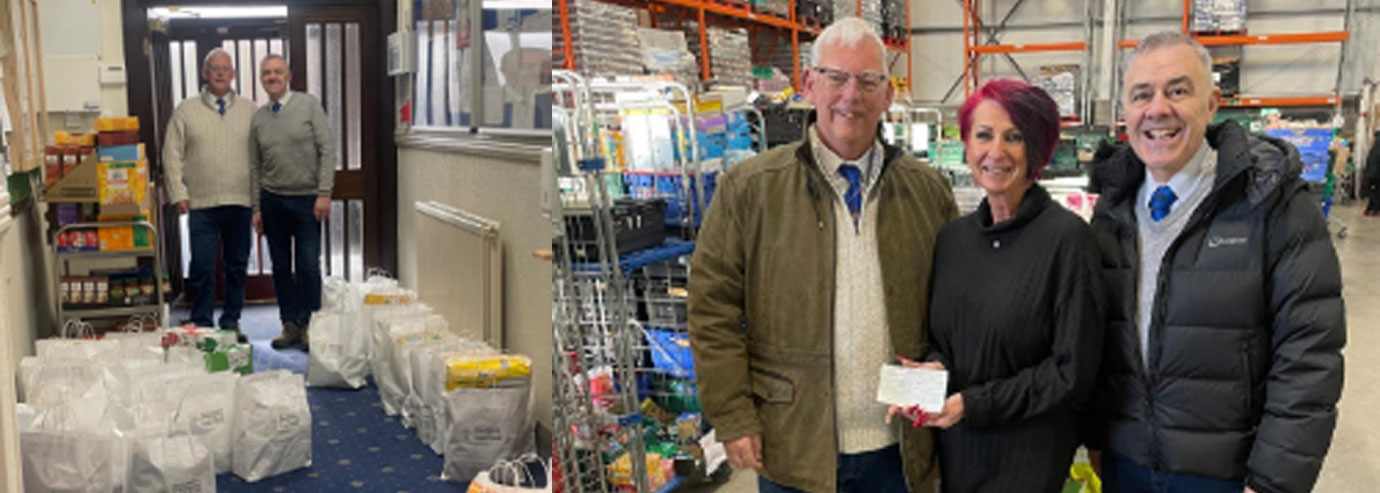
(903, 386)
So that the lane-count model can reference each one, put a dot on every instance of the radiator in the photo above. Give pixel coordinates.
(460, 270)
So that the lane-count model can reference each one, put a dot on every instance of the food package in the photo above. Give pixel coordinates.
(79, 240)
(485, 371)
(238, 358)
(133, 152)
(122, 182)
(117, 123)
(113, 238)
(117, 138)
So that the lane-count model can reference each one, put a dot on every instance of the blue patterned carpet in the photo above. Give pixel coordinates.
(355, 447)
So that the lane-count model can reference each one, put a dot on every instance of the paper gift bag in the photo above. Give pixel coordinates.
(487, 425)
(272, 431)
(339, 354)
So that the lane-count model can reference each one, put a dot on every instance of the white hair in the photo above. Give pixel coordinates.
(848, 32)
(1166, 39)
(272, 56)
(215, 52)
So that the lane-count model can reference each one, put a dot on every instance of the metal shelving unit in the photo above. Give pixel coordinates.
(980, 40)
(60, 266)
(1332, 99)
(766, 28)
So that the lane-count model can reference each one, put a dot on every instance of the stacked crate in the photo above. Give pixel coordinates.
(1219, 16)
(604, 36)
(730, 55)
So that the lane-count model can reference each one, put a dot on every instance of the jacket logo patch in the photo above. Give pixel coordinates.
(1221, 241)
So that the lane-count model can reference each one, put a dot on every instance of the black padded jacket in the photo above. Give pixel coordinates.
(1245, 364)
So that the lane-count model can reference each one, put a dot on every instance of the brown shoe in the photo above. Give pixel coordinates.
(291, 334)
(306, 344)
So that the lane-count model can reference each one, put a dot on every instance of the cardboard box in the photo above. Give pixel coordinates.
(122, 182)
(133, 152)
(79, 140)
(116, 238)
(238, 358)
(78, 185)
(117, 123)
(118, 138)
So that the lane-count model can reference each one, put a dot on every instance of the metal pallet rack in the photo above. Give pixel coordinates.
(765, 26)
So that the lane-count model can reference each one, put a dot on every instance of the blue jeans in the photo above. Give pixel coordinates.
(1122, 475)
(227, 227)
(878, 471)
(285, 219)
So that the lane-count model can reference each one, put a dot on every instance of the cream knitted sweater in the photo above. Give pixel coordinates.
(206, 154)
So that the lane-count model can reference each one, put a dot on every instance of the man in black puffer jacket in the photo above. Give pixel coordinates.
(1223, 362)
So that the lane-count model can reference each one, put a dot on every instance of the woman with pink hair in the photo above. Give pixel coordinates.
(1016, 309)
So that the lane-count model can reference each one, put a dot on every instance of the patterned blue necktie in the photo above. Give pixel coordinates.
(1160, 202)
(853, 197)
(277, 106)
(221, 102)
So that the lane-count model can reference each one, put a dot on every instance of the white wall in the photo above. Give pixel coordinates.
(113, 100)
(1266, 70)
(29, 310)
(506, 191)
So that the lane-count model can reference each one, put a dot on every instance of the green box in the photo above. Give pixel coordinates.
(217, 340)
(238, 358)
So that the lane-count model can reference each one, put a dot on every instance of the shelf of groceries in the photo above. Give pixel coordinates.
(103, 411)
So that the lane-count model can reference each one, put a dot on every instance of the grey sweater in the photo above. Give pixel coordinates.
(292, 152)
(204, 155)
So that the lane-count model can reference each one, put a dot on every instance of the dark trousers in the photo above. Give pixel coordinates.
(1122, 475)
(289, 219)
(878, 471)
(227, 227)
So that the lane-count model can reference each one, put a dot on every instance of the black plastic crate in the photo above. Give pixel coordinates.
(637, 224)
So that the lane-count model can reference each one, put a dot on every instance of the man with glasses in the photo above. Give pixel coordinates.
(811, 272)
(206, 161)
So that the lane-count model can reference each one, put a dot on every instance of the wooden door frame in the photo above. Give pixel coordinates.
(349, 184)
(381, 243)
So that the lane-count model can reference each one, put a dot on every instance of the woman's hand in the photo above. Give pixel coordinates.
(918, 417)
(953, 413)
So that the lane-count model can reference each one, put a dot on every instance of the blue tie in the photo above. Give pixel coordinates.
(221, 103)
(1160, 202)
(277, 106)
(853, 197)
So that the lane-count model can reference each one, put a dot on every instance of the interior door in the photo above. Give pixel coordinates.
(335, 56)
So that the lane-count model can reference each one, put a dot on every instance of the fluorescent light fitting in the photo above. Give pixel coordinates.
(278, 11)
(517, 5)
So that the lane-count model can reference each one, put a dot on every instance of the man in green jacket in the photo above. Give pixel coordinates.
(811, 272)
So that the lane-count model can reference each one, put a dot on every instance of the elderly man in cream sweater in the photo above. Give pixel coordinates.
(206, 158)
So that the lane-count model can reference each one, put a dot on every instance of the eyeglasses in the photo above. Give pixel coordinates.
(224, 69)
(837, 79)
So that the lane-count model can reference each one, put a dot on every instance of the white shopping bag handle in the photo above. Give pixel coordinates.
(83, 329)
(136, 323)
(508, 469)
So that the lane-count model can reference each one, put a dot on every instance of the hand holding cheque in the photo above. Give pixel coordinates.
(916, 392)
